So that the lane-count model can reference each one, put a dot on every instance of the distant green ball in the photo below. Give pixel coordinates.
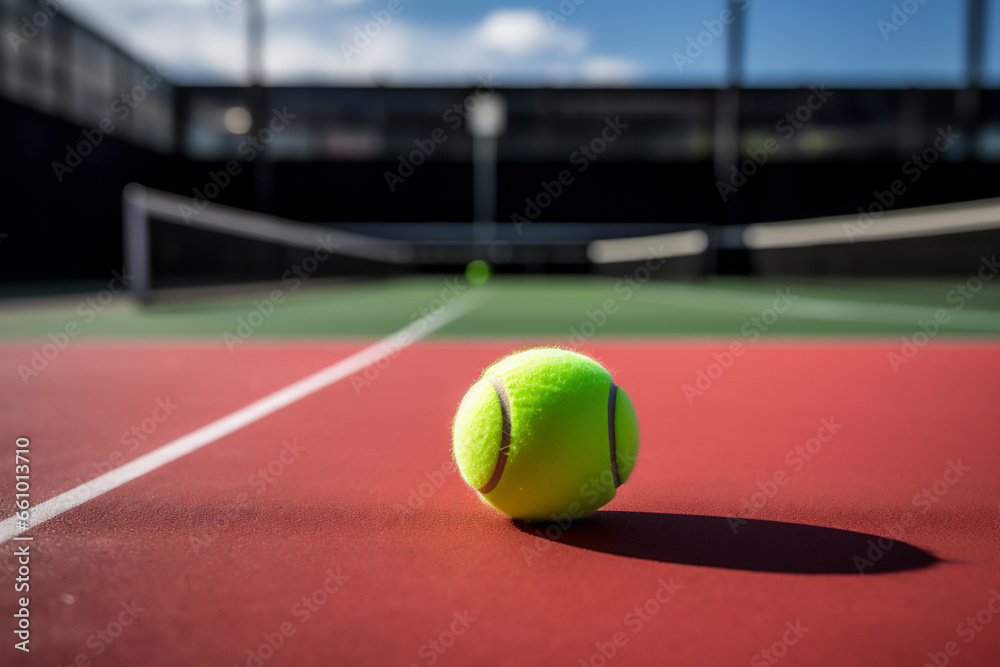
(545, 434)
(477, 272)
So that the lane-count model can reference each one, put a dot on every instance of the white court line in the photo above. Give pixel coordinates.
(857, 311)
(389, 346)
(831, 309)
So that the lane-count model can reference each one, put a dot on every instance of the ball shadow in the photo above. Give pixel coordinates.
(737, 544)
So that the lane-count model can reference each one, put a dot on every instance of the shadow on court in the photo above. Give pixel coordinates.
(736, 544)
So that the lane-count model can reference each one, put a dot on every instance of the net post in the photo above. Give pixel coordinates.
(137, 251)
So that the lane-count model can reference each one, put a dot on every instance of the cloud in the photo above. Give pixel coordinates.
(281, 6)
(189, 38)
(328, 41)
(519, 32)
(609, 69)
(516, 46)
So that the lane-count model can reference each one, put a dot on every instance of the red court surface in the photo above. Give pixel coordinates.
(335, 532)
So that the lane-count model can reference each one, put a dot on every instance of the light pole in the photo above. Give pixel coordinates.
(487, 121)
(263, 170)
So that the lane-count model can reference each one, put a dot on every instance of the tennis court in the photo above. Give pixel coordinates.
(297, 487)
(254, 254)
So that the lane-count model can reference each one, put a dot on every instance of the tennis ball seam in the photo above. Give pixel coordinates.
(612, 422)
(505, 433)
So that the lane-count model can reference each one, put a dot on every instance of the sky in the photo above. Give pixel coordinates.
(672, 43)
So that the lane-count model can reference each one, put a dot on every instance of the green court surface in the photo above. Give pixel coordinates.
(551, 307)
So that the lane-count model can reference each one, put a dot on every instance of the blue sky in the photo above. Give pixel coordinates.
(553, 42)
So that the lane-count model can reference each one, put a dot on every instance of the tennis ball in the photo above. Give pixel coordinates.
(545, 434)
(477, 272)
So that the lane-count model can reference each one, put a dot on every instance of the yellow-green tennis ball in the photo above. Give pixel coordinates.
(477, 272)
(545, 434)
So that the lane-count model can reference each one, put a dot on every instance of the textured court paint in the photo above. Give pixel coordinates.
(367, 499)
